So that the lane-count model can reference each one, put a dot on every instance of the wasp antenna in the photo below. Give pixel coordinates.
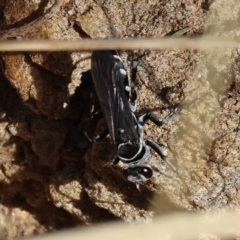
(88, 138)
(170, 165)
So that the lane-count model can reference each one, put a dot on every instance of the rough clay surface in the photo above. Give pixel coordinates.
(52, 178)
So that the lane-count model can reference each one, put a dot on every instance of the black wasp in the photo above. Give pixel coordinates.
(117, 99)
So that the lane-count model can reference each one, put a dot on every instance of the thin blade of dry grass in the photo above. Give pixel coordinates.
(127, 44)
(177, 226)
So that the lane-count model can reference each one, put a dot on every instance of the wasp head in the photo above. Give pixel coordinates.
(135, 153)
(137, 173)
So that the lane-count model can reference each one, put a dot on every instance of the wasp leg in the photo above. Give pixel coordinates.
(115, 161)
(97, 115)
(133, 97)
(101, 135)
(151, 116)
(133, 79)
(98, 137)
(133, 82)
(159, 151)
(87, 123)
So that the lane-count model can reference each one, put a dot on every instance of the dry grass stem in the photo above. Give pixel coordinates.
(176, 226)
(127, 44)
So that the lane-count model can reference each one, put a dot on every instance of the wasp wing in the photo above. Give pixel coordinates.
(111, 85)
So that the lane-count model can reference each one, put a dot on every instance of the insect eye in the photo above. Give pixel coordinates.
(146, 172)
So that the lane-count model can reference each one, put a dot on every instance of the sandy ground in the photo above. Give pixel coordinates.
(52, 178)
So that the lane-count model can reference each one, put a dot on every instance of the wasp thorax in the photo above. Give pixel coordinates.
(127, 150)
(136, 142)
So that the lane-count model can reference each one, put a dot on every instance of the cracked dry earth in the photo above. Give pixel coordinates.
(52, 178)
